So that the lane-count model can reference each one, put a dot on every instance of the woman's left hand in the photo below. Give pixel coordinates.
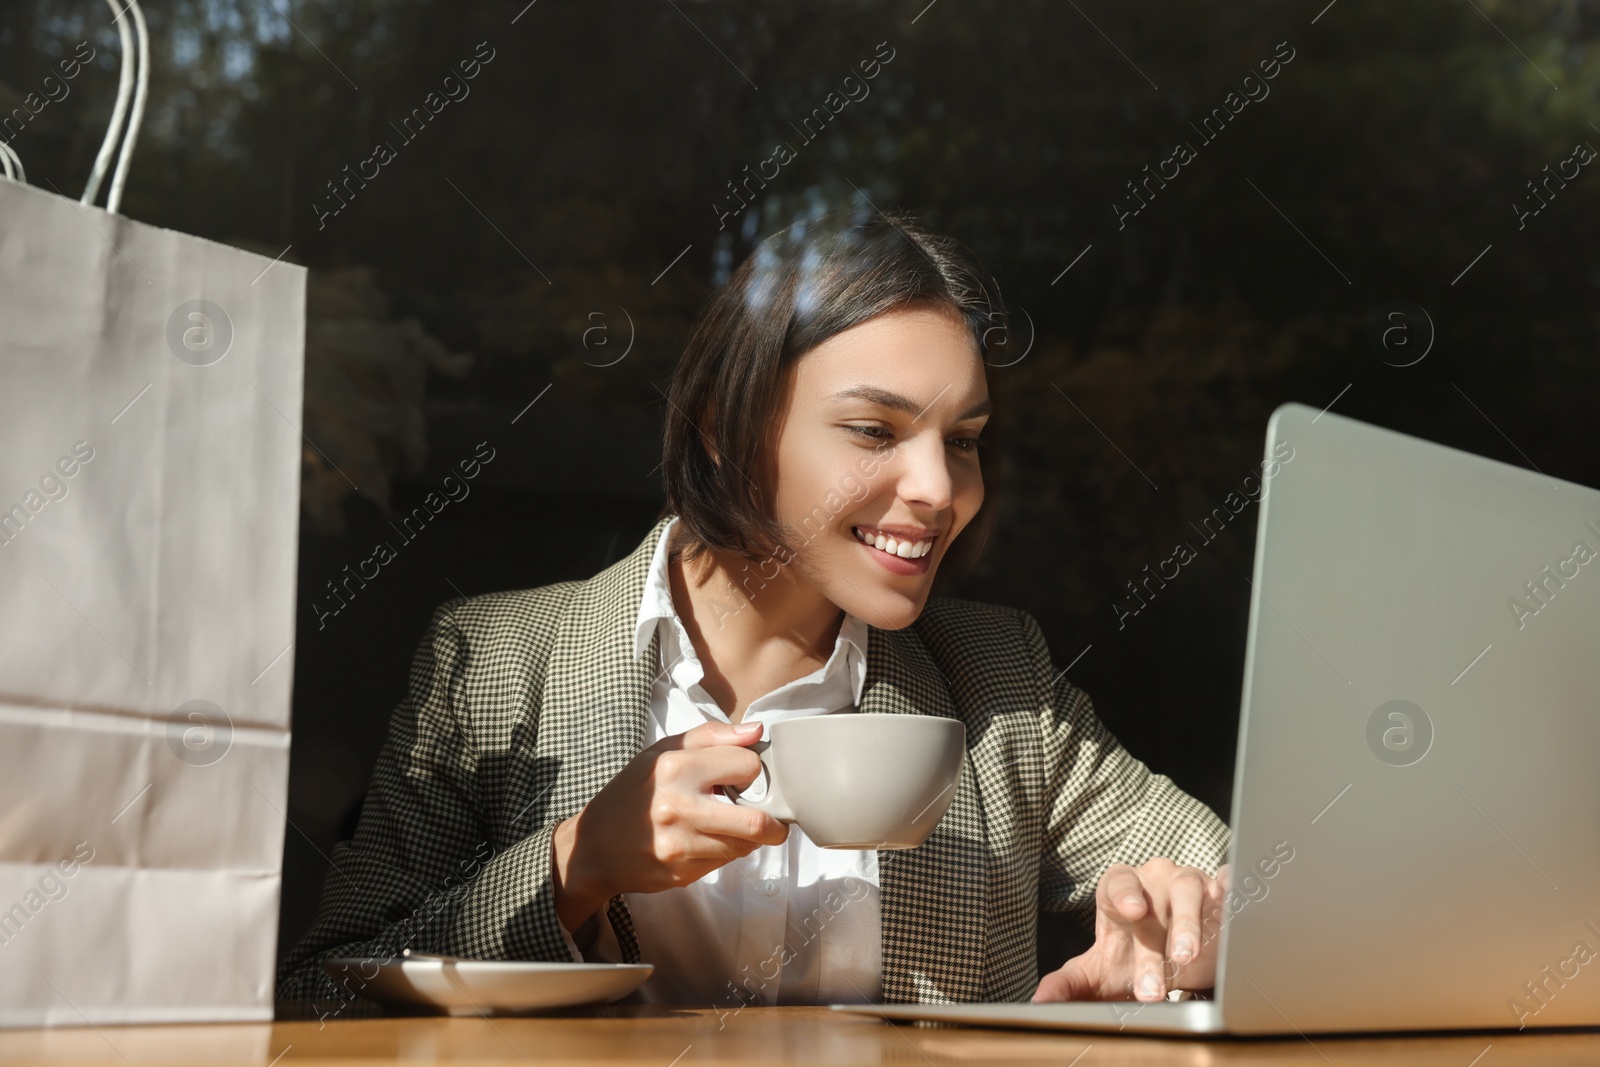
(1155, 930)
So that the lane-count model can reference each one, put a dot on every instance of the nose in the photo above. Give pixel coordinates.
(924, 476)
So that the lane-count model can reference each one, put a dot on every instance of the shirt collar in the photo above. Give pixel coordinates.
(656, 604)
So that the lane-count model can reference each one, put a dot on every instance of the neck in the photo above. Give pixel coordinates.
(737, 616)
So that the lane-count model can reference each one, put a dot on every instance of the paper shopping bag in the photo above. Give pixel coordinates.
(150, 397)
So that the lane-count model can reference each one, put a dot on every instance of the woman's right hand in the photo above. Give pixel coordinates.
(658, 825)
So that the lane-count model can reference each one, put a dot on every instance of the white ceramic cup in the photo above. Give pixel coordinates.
(853, 780)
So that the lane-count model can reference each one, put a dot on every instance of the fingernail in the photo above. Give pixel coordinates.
(747, 727)
(1148, 986)
(1183, 950)
(1132, 902)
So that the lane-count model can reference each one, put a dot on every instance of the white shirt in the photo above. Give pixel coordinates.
(788, 924)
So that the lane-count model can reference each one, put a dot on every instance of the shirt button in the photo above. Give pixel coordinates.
(769, 887)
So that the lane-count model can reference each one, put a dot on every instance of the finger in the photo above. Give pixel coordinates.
(698, 857)
(1186, 895)
(719, 847)
(1071, 981)
(711, 818)
(711, 734)
(703, 768)
(1225, 876)
(1213, 915)
(1150, 970)
(1121, 896)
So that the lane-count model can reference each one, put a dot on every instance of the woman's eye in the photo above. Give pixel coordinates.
(878, 433)
(875, 433)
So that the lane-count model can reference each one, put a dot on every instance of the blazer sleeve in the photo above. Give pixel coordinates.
(1101, 804)
(424, 869)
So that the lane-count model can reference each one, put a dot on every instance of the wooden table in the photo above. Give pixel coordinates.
(665, 1037)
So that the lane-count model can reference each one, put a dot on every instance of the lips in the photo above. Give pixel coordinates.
(896, 542)
(896, 564)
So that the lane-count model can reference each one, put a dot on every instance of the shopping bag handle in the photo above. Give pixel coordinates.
(12, 163)
(138, 71)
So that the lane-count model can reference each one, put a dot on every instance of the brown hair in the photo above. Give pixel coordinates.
(798, 288)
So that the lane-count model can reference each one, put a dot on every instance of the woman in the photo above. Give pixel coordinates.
(551, 788)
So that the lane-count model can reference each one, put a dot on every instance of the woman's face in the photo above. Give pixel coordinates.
(877, 440)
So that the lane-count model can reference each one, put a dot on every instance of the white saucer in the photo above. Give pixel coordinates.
(487, 987)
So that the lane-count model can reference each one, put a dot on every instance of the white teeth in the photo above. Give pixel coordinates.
(903, 549)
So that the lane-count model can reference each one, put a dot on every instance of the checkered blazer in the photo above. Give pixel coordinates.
(523, 704)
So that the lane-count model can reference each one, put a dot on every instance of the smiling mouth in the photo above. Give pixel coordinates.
(908, 550)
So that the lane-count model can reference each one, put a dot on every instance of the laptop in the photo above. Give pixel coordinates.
(1416, 803)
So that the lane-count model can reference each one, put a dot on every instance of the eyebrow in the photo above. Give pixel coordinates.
(885, 398)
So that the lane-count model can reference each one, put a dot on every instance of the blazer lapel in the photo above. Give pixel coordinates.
(596, 698)
(933, 920)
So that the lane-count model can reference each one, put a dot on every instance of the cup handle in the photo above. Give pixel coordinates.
(773, 803)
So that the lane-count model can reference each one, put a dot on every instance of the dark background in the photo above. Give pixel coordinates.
(580, 183)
